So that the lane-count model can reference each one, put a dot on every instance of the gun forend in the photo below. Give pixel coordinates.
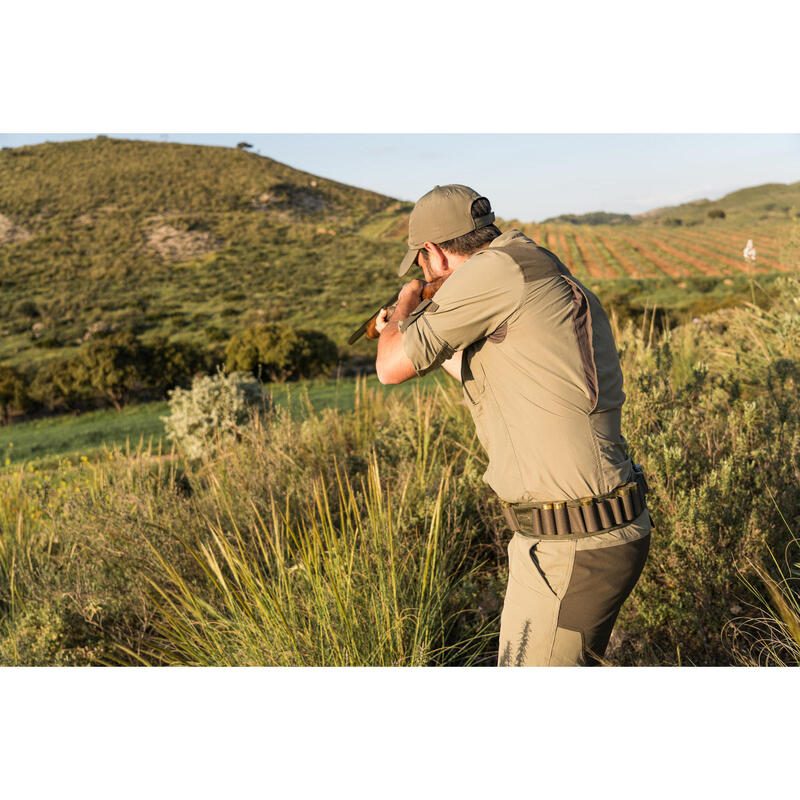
(368, 328)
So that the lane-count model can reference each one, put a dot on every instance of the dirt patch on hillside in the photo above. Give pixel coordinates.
(287, 197)
(176, 245)
(9, 232)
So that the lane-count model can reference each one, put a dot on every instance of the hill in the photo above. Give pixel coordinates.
(191, 243)
(181, 241)
(594, 218)
(770, 202)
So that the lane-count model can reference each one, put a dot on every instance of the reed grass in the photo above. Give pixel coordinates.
(367, 536)
(336, 585)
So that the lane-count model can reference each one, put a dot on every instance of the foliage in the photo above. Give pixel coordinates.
(115, 368)
(770, 634)
(12, 391)
(112, 367)
(715, 213)
(790, 242)
(214, 410)
(53, 385)
(199, 561)
(594, 218)
(298, 560)
(716, 447)
(280, 353)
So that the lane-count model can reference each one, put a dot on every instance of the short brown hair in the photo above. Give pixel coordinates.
(473, 241)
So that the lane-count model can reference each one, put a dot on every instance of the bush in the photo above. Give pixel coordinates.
(114, 367)
(308, 540)
(716, 213)
(173, 364)
(12, 392)
(213, 410)
(713, 414)
(279, 353)
(53, 385)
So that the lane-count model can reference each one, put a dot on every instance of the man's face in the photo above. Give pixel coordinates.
(433, 263)
(423, 263)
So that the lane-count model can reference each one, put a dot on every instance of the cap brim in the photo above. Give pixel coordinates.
(408, 261)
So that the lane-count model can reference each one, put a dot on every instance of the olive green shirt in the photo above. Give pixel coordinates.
(540, 370)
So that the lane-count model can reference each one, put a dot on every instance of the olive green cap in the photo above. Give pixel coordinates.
(442, 214)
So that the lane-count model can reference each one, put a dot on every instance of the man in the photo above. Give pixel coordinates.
(534, 351)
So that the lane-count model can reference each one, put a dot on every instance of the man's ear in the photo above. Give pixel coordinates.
(436, 255)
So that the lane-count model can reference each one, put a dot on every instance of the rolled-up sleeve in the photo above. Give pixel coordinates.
(472, 303)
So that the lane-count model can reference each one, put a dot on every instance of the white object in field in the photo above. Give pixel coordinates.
(750, 252)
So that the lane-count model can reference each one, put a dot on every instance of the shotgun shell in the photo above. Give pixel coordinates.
(626, 495)
(562, 519)
(548, 520)
(591, 520)
(575, 519)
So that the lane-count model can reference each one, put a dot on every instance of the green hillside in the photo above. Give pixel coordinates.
(770, 203)
(192, 243)
(181, 241)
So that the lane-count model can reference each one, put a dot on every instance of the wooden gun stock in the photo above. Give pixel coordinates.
(368, 328)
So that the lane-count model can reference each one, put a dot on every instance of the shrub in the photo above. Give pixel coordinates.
(173, 364)
(12, 391)
(53, 385)
(114, 366)
(769, 633)
(713, 414)
(279, 353)
(215, 409)
(716, 213)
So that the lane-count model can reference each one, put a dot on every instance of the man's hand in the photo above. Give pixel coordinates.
(410, 295)
(392, 364)
(382, 320)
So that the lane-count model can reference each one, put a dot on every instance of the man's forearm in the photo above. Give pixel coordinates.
(392, 364)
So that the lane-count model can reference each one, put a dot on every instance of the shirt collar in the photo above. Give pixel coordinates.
(504, 238)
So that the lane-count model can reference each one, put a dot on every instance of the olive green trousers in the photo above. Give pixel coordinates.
(563, 598)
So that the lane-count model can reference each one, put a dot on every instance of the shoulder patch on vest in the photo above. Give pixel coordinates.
(535, 262)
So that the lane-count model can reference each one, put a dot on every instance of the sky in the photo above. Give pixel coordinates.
(526, 176)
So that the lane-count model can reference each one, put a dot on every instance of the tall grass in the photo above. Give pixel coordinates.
(367, 536)
(336, 586)
(769, 635)
(339, 539)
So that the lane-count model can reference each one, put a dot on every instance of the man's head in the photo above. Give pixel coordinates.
(447, 225)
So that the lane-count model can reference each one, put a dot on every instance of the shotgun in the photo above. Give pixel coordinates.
(368, 328)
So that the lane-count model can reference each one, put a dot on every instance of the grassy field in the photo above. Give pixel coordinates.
(366, 536)
(42, 440)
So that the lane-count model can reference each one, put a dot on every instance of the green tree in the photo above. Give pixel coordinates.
(12, 392)
(53, 385)
(114, 367)
(278, 353)
(172, 364)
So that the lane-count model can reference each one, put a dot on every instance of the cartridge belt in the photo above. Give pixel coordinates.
(576, 519)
